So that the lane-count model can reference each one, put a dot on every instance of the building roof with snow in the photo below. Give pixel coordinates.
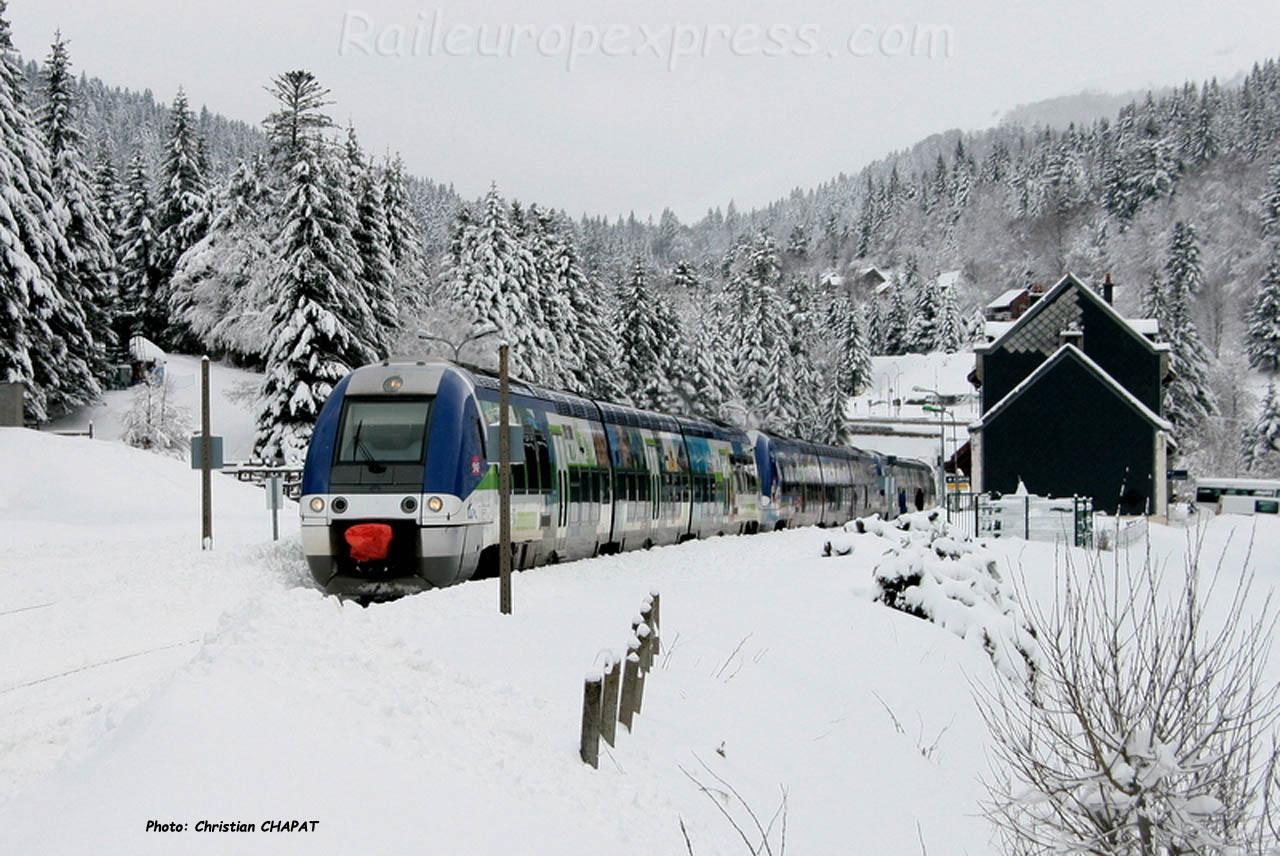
(1072, 391)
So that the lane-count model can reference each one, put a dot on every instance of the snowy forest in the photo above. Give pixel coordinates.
(286, 248)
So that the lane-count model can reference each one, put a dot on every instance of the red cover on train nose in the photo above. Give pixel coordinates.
(369, 541)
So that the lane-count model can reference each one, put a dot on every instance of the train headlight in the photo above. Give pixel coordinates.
(339, 505)
(408, 505)
(392, 384)
(317, 504)
(435, 503)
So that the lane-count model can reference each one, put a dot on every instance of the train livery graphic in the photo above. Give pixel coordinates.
(400, 485)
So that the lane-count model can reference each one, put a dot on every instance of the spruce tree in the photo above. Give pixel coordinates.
(1183, 270)
(897, 323)
(1271, 203)
(316, 336)
(640, 350)
(143, 307)
(1260, 442)
(222, 283)
(182, 213)
(951, 328)
(403, 240)
(1189, 401)
(373, 243)
(923, 332)
(43, 337)
(1262, 339)
(86, 273)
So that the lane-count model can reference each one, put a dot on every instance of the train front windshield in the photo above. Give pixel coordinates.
(386, 431)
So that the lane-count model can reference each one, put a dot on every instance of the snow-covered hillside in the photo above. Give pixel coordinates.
(232, 405)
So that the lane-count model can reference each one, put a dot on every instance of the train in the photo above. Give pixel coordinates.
(400, 483)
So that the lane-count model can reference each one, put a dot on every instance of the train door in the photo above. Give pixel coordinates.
(653, 465)
(561, 510)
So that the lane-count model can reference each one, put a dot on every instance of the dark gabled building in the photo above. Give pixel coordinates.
(1071, 398)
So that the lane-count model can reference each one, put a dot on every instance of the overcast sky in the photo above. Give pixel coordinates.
(609, 107)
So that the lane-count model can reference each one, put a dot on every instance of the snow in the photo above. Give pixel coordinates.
(231, 391)
(145, 679)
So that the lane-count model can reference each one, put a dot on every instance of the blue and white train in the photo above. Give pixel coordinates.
(409, 447)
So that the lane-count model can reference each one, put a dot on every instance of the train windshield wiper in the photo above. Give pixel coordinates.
(361, 447)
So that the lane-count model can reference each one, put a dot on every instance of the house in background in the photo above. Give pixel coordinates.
(1071, 405)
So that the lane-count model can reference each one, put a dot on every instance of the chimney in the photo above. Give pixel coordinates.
(1071, 337)
(1108, 290)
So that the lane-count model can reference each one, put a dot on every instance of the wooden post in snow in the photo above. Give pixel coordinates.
(206, 462)
(589, 748)
(609, 704)
(630, 682)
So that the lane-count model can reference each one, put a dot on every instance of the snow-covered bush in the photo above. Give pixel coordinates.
(154, 422)
(1152, 731)
(932, 573)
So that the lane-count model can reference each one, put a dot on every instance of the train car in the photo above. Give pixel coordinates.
(399, 490)
(810, 484)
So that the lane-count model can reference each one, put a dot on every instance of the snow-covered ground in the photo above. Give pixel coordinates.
(147, 680)
(232, 392)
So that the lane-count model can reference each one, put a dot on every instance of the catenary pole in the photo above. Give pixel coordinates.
(504, 482)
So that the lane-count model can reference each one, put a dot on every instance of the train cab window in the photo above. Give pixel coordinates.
(382, 430)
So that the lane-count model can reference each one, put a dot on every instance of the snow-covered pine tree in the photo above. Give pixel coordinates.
(494, 277)
(640, 351)
(318, 332)
(923, 330)
(834, 427)
(222, 283)
(1183, 270)
(300, 120)
(404, 241)
(1260, 443)
(43, 339)
(951, 327)
(875, 325)
(589, 364)
(708, 385)
(1262, 339)
(86, 275)
(182, 210)
(1189, 401)
(1271, 202)
(897, 323)
(373, 243)
(852, 357)
(684, 277)
(143, 311)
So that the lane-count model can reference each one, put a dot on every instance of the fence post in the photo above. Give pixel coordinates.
(654, 620)
(609, 704)
(646, 660)
(590, 746)
(630, 677)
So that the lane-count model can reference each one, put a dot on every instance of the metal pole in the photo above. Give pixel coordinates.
(206, 460)
(504, 483)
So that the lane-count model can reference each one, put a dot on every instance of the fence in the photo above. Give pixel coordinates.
(610, 698)
(1037, 518)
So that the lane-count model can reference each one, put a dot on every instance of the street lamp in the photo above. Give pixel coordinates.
(942, 438)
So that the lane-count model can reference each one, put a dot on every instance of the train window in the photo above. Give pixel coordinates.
(386, 431)
(544, 462)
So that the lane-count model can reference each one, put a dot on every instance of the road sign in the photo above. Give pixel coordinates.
(215, 452)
